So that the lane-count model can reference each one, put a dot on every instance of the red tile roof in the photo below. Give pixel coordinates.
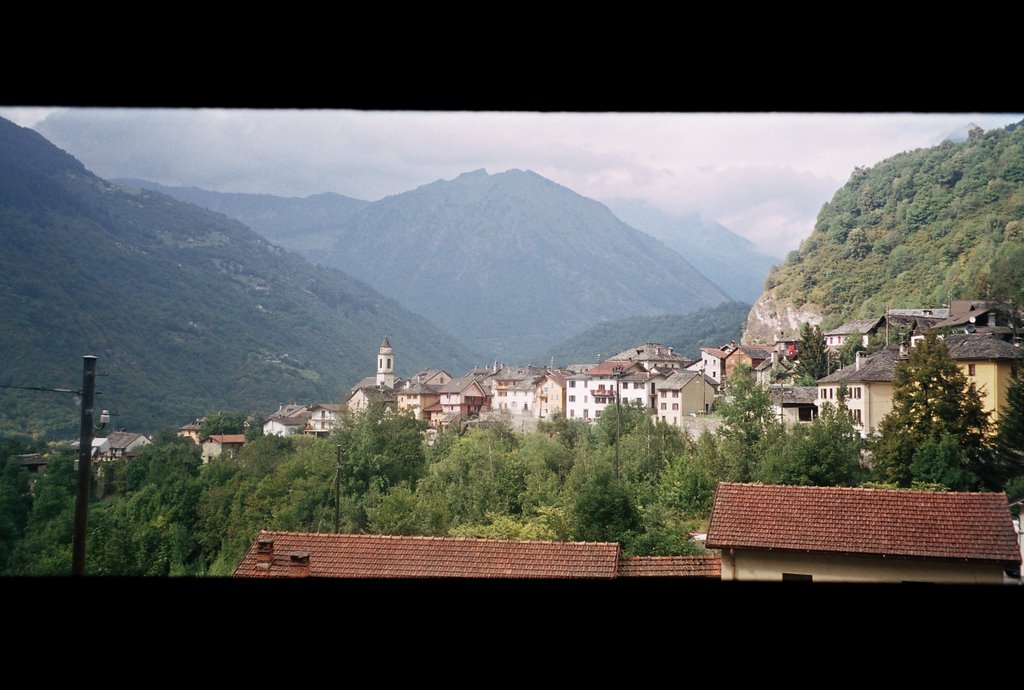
(227, 438)
(607, 367)
(379, 556)
(671, 566)
(929, 524)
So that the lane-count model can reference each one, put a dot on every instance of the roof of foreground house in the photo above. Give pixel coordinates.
(382, 556)
(286, 554)
(671, 566)
(926, 524)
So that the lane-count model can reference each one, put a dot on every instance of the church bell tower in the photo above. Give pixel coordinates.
(386, 365)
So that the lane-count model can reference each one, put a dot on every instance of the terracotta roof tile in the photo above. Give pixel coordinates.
(671, 566)
(380, 556)
(928, 524)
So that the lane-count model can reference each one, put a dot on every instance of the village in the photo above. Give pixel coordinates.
(755, 531)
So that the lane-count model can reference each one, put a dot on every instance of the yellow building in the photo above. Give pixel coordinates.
(988, 362)
(839, 534)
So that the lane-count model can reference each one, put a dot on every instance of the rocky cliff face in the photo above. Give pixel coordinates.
(770, 315)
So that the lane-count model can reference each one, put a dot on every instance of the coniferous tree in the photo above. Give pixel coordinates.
(1009, 442)
(813, 362)
(931, 399)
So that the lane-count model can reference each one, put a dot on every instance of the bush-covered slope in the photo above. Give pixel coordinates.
(912, 231)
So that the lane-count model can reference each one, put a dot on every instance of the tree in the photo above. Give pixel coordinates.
(825, 452)
(602, 507)
(813, 362)
(750, 427)
(222, 422)
(1008, 460)
(932, 398)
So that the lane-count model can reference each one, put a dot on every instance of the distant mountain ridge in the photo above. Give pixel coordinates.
(187, 310)
(730, 261)
(687, 333)
(512, 262)
(303, 225)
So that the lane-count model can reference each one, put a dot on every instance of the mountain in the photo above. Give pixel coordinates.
(728, 260)
(303, 225)
(686, 333)
(187, 310)
(915, 230)
(513, 263)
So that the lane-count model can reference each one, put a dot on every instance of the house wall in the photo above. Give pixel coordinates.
(750, 564)
(584, 400)
(555, 394)
(992, 379)
(735, 358)
(275, 428)
(712, 366)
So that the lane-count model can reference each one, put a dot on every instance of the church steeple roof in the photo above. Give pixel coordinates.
(385, 343)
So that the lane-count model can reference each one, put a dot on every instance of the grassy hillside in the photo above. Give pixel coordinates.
(915, 230)
(186, 309)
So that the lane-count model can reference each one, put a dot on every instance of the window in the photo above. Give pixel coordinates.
(856, 417)
(822, 394)
(675, 394)
(572, 384)
(664, 394)
(663, 418)
(675, 406)
(797, 577)
(597, 413)
(806, 414)
(675, 420)
(970, 370)
(586, 413)
(831, 391)
(584, 398)
(664, 406)
(855, 393)
(572, 413)
(572, 398)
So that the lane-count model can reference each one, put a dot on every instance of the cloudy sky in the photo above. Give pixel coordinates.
(765, 176)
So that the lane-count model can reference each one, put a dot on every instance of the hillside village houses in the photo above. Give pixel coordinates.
(671, 386)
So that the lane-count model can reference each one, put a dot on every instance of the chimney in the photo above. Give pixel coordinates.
(264, 553)
(858, 361)
(298, 564)
(775, 359)
(670, 350)
(903, 349)
(598, 357)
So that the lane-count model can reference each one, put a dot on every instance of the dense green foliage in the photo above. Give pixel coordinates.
(186, 309)
(731, 262)
(687, 333)
(165, 513)
(937, 427)
(914, 230)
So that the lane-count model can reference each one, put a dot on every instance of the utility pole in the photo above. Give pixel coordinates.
(337, 491)
(84, 471)
(617, 372)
